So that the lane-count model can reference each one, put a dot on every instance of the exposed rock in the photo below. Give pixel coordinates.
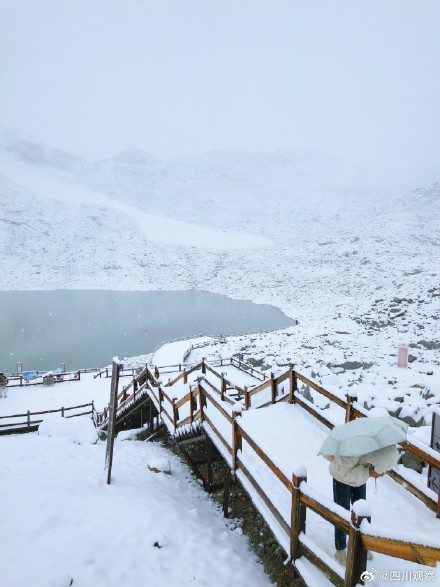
(255, 362)
(305, 391)
(410, 461)
(353, 365)
(412, 422)
(430, 345)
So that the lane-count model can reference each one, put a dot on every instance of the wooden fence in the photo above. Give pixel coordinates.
(21, 381)
(304, 499)
(274, 389)
(192, 408)
(31, 425)
(107, 372)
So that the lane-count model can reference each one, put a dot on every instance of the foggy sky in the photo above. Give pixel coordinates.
(360, 79)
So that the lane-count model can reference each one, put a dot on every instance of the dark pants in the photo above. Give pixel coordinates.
(344, 494)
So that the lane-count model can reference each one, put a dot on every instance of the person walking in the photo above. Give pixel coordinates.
(358, 450)
(3, 385)
(350, 476)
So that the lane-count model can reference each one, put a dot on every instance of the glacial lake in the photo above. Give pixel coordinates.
(87, 328)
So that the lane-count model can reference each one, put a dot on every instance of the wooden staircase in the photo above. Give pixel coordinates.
(209, 399)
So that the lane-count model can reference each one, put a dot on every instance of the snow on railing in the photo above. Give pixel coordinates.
(30, 425)
(41, 378)
(186, 410)
(290, 530)
(211, 406)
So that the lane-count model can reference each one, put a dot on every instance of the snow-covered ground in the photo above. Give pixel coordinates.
(357, 267)
(72, 525)
(61, 521)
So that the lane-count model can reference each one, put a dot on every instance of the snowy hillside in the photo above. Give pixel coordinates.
(356, 266)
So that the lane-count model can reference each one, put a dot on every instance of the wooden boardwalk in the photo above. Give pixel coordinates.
(218, 400)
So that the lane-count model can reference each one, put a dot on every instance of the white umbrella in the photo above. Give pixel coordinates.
(364, 435)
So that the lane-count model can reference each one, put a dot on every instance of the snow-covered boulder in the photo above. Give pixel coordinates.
(79, 430)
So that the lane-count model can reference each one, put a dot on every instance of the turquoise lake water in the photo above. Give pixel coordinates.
(86, 329)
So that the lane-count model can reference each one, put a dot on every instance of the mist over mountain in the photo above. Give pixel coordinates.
(300, 234)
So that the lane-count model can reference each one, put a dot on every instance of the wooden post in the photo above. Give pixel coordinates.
(156, 372)
(297, 517)
(437, 515)
(79, 375)
(272, 387)
(185, 376)
(247, 399)
(293, 384)
(203, 366)
(175, 413)
(349, 407)
(222, 387)
(356, 555)
(62, 412)
(191, 405)
(236, 441)
(202, 399)
(112, 420)
(28, 419)
(21, 380)
(160, 399)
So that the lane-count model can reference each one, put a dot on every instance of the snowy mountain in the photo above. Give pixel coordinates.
(290, 229)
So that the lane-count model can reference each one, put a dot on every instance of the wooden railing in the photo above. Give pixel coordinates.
(31, 425)
(352, 410)
(127, 397)
(195, 407)
(107, 372)
(273, 390)
(303, 498)
(20, 380)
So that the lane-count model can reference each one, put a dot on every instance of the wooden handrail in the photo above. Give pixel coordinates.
(183, 374)
(46, 411)
(218, 392)
(216, 404)
(358, 540)
(292, 375)
(321, 390)
(410, 551)
(255, 390)
(183, 400)
(246, 367)
(281, 476)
